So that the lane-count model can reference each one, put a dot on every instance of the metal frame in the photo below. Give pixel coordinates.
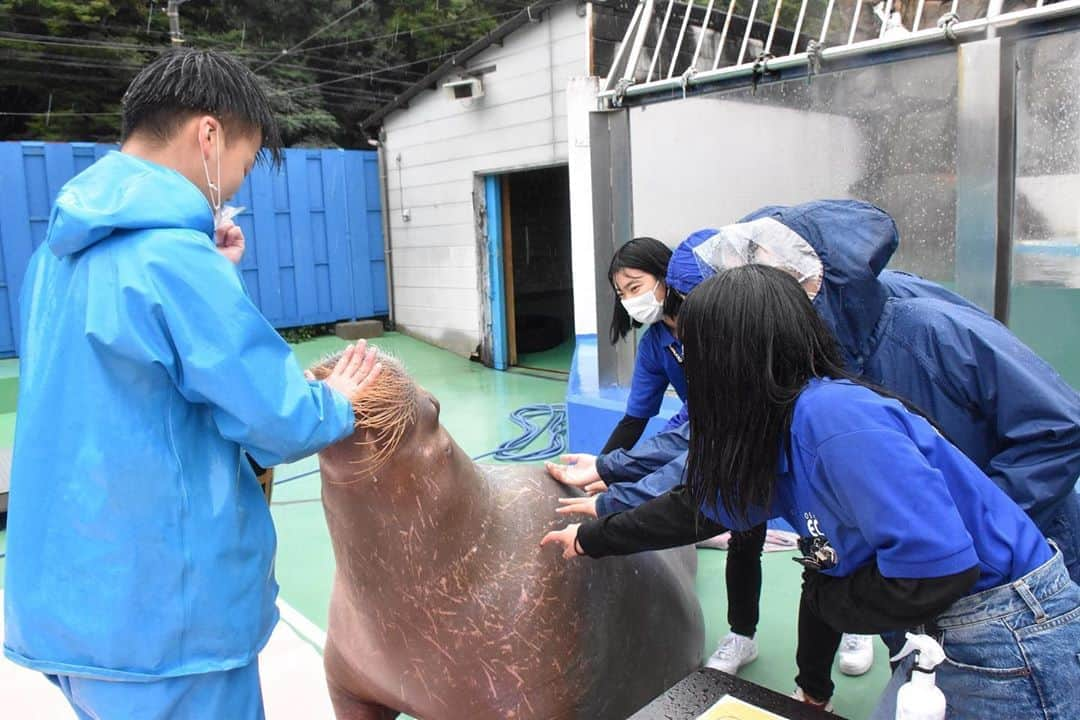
(620, 85)
(985, 184)
(986, 135)
(613, 212)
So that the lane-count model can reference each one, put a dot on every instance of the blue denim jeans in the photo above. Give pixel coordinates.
(1012, 651)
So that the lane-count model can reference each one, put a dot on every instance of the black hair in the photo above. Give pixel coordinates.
(751, 342)
(647, 255)
(673, 302)
(186, 82)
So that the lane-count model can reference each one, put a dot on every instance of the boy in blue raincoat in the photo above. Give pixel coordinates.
(140, 546)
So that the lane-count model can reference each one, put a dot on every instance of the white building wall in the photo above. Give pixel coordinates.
(435, 148)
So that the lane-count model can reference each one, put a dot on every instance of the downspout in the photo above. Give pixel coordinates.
(384, 201)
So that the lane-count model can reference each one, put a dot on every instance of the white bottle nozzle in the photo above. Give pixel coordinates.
(919, 698)
(930, 654)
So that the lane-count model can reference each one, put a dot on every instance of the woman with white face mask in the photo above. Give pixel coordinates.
(637, 275)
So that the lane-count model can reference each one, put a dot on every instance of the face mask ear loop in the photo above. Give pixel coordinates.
(217, 148)
(215, 188)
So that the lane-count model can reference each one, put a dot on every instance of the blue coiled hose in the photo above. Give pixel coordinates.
(529, 419)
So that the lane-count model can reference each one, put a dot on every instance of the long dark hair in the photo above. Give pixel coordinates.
(751, 342)
(642, 253)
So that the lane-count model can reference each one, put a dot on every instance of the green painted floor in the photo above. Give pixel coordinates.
(469, 392)
(557, 359)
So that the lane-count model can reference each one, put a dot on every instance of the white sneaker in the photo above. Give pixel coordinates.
(801, 697)
(856, 654)
(734, 652)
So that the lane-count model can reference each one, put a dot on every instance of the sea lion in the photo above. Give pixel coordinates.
(444, 606)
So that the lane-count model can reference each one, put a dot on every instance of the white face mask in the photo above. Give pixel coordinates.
(215, 188)
(644, 308)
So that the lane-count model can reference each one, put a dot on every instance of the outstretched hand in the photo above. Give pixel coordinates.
(578, 470)
(578, 506)
(566, 539)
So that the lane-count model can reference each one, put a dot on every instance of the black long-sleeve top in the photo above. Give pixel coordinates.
(864, 602)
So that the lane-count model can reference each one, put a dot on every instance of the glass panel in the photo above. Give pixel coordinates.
(884, 133)
(1045, 300)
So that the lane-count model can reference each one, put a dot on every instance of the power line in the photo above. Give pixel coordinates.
(414, 31)
(105, 26)
(25, 56)
(33, 39)
(321, 30)
(61, 114)
(364, 74)
(88, 43)
(82, 79)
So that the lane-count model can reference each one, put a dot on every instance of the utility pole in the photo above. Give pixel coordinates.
(173, 11)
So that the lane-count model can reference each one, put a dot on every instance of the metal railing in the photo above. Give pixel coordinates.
(715, 28)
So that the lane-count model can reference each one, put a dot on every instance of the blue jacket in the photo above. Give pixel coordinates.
(1000, 403)
(140, 545)
(918, 508)
(655, 368)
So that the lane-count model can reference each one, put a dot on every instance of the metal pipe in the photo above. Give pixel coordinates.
(701, 38)
(388, 249)
(172, 10)
(828, 19)
(639, 40)
(855, 22)
(918, 16)
(723, 36)
(660, 40)
(993, 9)
(682, 33)
(609, 84)
(961, 29)
(798, 29)
(885, 21)
(746, 35)
(772, 26)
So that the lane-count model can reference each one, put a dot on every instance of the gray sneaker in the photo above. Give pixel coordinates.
(734, 652)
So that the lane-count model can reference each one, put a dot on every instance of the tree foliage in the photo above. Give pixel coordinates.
(64, 64)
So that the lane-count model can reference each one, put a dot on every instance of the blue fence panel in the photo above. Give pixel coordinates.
(313, 230)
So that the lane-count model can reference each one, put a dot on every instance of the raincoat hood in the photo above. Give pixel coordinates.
(852, 241)
(122, 192)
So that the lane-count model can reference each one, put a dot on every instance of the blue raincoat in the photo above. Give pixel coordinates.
(1000, 403)
(140, 545)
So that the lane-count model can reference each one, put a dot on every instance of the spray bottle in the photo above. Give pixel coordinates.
(919, 698)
